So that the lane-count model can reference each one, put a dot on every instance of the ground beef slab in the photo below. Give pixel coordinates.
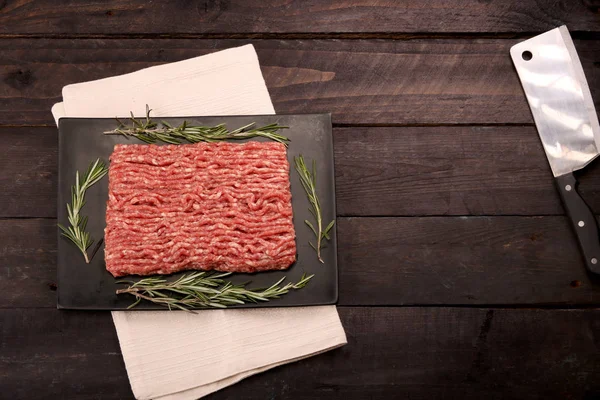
(205, 206)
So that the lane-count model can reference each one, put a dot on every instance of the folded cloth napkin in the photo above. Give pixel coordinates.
(175, 355)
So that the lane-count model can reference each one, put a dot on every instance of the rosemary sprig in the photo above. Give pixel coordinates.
(309, 183)
(76, 231)
(149, 131)
(203, 289)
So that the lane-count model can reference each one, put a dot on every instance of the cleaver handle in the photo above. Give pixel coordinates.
(582, 219)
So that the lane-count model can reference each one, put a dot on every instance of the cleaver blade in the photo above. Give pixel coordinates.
(563, 110)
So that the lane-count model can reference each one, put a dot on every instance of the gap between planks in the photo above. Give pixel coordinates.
(352, 125)
(581, 35)
(549, 307)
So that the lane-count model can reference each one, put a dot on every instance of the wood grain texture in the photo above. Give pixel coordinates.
(28, 262)
(291, 16)
(417, 353)
(444, 81)
(28, 172)
(400, 171)
(464, 260)
(51, 354)
(448, 171)
(382, 261)
(312, 62)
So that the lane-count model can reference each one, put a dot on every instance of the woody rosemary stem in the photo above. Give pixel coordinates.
(149, 131)
(204, 290)
(308, 179)
(319, 226)
(76, 230)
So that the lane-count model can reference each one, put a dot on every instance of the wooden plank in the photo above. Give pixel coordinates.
(383, 261)
(28, 172)
(448, 171)
(254, 16)
(464, 260)
(69, 355)
(28, 262)
(417, 353)
(379, 172)
(444, 81)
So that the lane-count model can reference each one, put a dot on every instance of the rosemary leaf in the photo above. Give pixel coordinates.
(77, 224)
(202, 289)
(149, 131)
(135, 303)
(312, 228)
(326, 231)
(308, 179)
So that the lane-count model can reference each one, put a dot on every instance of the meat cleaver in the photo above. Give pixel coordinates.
(566, 120)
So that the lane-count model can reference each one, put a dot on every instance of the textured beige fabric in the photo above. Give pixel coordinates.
(178, 355)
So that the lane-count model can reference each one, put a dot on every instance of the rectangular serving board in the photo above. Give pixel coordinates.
(90, 287)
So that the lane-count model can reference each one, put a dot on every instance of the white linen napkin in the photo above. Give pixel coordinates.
(177, 355)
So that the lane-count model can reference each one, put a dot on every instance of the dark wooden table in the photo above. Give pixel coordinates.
(459, 275)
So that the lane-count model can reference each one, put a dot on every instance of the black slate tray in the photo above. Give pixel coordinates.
(91, 287)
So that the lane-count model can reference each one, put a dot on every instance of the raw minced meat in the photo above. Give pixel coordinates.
(204, 206)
